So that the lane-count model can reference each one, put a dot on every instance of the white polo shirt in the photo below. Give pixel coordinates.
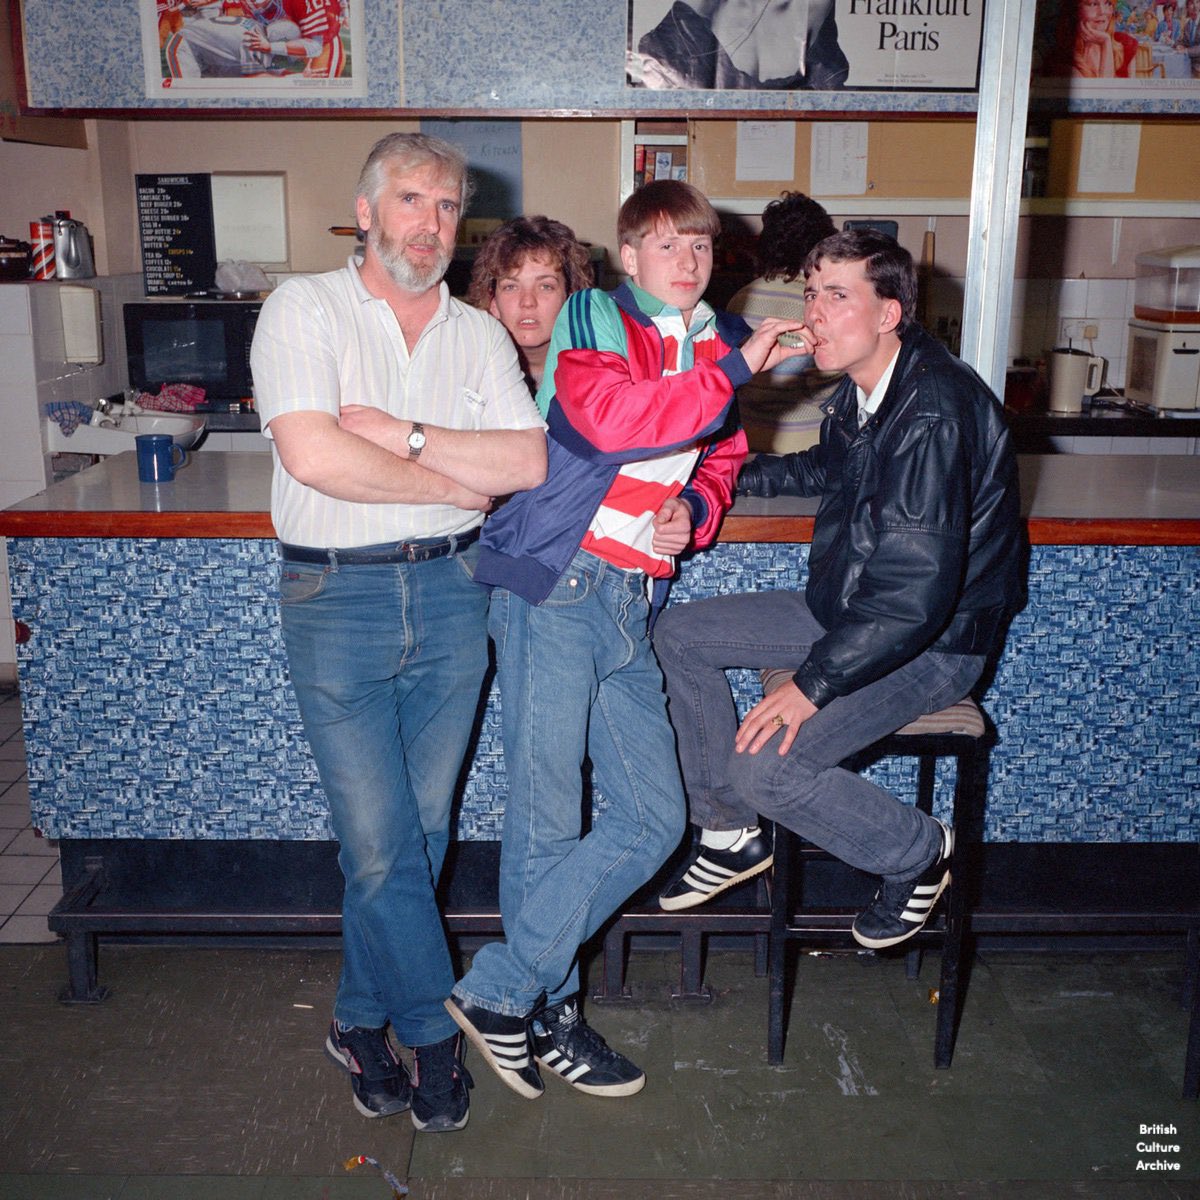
(323, 341)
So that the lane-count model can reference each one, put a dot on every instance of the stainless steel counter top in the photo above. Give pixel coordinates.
(1067, 498)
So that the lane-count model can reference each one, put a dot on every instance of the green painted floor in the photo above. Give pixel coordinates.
(202, 1076)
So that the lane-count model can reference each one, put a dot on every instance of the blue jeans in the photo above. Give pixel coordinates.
(578, 678)
(387, 663)
(804, 790)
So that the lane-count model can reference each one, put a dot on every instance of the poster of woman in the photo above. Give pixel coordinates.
(1117, 49)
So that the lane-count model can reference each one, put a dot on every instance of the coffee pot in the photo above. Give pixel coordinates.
(14, 259)
(72, 250)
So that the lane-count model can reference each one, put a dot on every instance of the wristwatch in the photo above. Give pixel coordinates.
(416, 441)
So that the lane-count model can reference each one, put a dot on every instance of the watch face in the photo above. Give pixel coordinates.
(416, 439)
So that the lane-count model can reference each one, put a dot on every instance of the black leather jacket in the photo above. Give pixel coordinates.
(918, 541)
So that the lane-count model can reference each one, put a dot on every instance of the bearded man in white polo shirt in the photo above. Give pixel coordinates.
(397, 414)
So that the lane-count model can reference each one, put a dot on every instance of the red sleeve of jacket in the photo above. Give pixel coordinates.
(601, 398)
(713, 485)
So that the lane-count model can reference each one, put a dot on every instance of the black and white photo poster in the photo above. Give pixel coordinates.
(813, 45)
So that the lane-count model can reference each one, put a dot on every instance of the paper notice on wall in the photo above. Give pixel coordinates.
(766, 150)
(838, 165)
(1108, 157)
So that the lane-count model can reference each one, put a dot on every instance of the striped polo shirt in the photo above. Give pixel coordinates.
(323, 341)
(622, 531)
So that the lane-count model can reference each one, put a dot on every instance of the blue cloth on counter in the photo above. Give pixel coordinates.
(68, 415)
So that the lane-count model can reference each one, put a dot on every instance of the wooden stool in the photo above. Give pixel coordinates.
(960, 732)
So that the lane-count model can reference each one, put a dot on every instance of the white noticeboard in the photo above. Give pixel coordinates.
(250, 218)
(766, 150)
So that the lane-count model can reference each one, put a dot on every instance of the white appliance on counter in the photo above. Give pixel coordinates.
(1163, 364)
(51, 349)
(1163, 367)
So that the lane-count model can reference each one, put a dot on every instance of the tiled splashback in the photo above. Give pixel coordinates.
(1048, 312)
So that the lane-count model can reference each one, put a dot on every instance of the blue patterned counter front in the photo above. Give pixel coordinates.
(157, 705)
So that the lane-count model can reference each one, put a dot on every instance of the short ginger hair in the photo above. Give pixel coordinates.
(663, 202)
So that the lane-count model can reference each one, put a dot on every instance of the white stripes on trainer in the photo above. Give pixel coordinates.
(511, 1050)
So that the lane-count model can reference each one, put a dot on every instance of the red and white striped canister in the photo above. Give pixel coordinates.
(41, 237)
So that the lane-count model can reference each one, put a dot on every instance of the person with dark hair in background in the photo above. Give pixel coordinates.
(522, 275)
(781, 408)
(915, 567)
(791, 227)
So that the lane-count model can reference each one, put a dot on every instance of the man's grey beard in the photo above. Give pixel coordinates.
(410, 276)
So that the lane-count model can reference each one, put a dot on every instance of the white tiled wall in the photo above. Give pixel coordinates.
(1045, 313)
(1105, 303)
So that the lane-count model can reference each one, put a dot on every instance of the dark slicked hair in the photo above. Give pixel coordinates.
(665, 201)
(792, 226)
(888, 266)
(507, 248)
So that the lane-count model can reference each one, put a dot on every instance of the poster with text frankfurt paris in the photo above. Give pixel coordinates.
(804, 45)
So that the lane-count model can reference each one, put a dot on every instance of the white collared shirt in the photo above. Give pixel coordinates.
(323, 341)
(869, 405)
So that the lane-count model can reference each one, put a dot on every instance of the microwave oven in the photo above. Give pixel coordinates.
(202, 342)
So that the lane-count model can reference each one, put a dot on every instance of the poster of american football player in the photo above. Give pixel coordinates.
(259, 48)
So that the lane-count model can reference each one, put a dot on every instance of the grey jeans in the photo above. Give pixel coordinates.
(805, 790)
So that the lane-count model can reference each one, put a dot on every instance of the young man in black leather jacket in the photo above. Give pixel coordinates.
(916, 564)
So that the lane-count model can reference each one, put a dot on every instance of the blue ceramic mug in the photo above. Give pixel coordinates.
(158, 458)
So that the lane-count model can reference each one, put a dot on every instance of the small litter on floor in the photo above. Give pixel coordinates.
(398, 1188)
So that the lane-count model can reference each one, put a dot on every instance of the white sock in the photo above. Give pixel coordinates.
(727, 839)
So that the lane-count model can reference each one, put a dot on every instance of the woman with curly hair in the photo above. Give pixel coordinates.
(781, 408)
(523, 275)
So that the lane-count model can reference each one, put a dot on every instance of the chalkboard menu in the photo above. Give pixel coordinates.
(175, 224)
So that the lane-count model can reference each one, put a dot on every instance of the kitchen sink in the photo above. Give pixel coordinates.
(185, 430)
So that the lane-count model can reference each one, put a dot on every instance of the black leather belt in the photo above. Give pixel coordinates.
(418, 550)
